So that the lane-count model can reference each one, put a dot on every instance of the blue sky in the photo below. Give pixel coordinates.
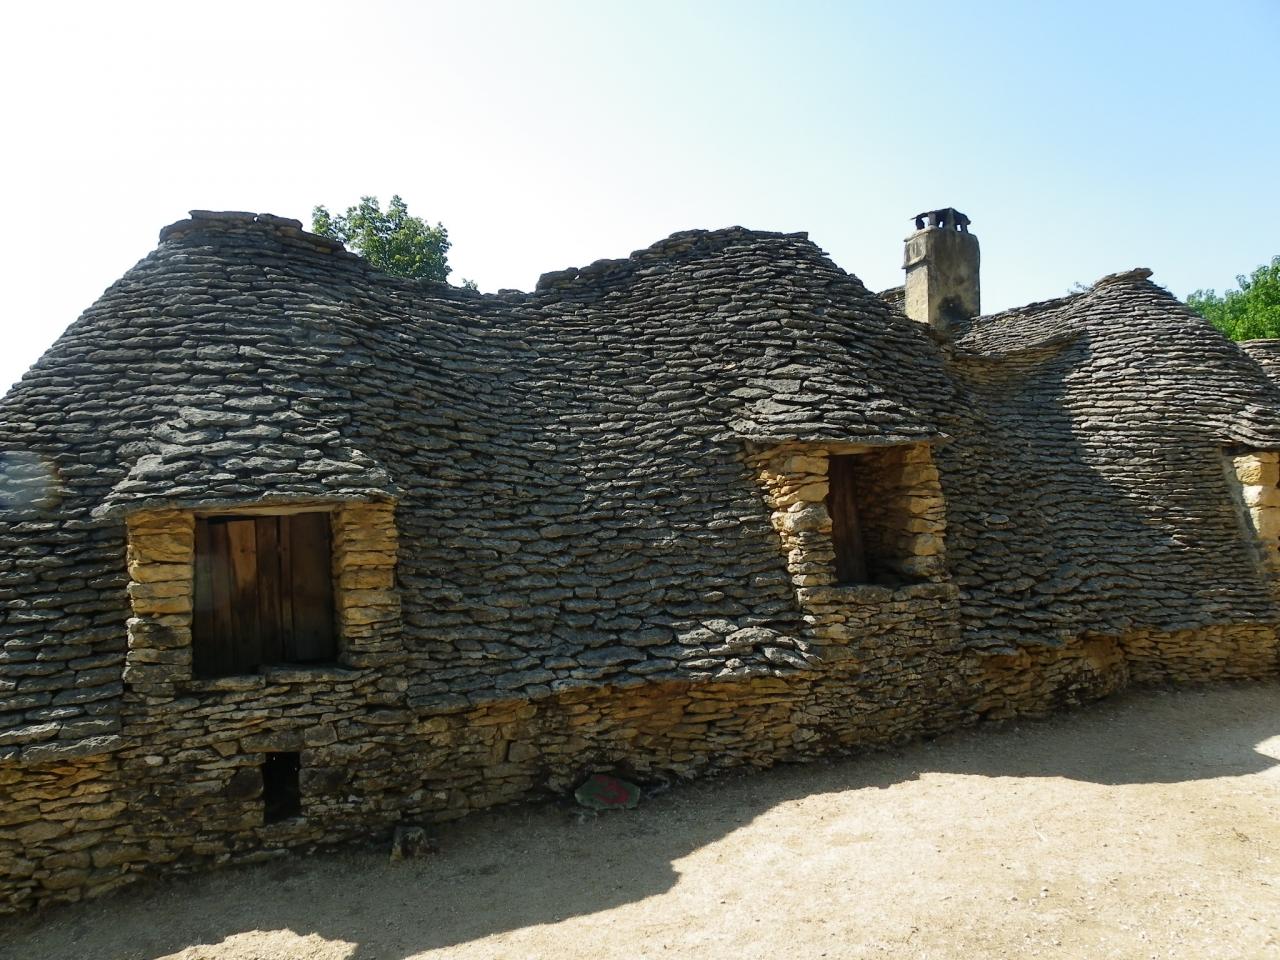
(1081, 138)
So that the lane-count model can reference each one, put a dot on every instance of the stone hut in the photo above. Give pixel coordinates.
(292, 552)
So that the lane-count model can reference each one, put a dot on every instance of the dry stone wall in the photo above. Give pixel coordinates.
(583, 529)
(1226, 652)
(188, 794)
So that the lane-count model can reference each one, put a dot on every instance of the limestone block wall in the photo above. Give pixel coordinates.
(364, 576)
(196, 764)
(1037, 681)
(507, 750)
(1223, 652)
(1257, 485)
(161, 560)
(187, 789)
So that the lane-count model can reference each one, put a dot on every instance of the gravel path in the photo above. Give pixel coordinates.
(1144, 827)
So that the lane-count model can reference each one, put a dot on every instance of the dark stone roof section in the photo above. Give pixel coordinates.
(1267, 355)
(780, 342)
(239, 449)
(1085, 489)
(572, 500)
(895, 297)
(1139, 344)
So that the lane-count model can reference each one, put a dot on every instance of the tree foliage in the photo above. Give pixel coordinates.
(1250, 313)
(394, 241)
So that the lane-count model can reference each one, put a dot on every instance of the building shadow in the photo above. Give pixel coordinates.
(529, 865)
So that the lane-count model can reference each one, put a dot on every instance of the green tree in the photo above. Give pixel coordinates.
(1250, 313)
(394, 242)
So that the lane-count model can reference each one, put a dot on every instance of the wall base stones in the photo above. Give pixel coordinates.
(1036, 681)
(186, 793)
(64, 832)
(1228, 652)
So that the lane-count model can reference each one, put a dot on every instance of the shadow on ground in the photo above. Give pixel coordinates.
(533, 865)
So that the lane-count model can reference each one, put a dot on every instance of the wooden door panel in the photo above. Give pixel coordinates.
(263, 593)
(312, 637)
(246, 633)
(271, 633)
(212, 655)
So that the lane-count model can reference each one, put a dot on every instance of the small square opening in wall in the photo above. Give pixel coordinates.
(281, 793)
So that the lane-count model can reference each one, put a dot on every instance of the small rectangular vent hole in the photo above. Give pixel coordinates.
(281, 795)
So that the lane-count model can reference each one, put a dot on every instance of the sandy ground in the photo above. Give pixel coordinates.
(1144, 827)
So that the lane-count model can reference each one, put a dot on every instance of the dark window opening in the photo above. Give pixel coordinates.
(846, 533)
(281, 794)
(875, 513)
(263, 593)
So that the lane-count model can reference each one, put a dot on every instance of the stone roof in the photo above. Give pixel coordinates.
(1267, 355)
(895, 296)
(572, 500)
(1140, 342)
(1091, 453)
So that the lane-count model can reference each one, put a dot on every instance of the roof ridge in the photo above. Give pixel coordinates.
(669, 248)
(1134, 275)
(1124, 276)
(229, 220)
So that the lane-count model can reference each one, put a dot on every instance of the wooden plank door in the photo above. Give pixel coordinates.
(263, 593)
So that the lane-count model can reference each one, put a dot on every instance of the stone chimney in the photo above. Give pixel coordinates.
(942, 270)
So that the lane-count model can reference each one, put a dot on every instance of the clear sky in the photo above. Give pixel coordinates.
(1081, 137)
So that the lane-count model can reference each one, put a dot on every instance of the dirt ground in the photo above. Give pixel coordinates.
(1144, 827)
